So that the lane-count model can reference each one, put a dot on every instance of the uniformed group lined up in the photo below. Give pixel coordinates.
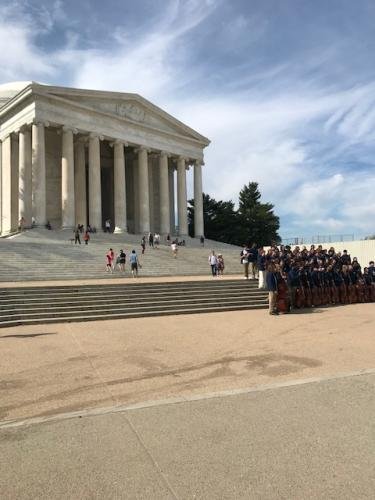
(304, 278)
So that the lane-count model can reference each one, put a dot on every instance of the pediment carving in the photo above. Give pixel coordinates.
(132, 110)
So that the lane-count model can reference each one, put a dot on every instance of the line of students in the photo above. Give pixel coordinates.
(315, 277)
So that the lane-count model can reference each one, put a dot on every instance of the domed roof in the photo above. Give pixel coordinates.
(9, 90)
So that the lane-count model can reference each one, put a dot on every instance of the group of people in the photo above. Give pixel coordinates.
(308, 277)
(78, 231)
(119, 261)
(153, 241)
(217, 264)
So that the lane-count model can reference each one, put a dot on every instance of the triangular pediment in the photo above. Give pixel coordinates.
(131, 107)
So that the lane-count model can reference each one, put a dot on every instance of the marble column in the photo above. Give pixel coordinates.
(6, 170)
(24, 176)
(119, 187)
(95, 189)
(38, 165)
(171, 178)
(80, 181)
(67, 180)
(144, 191)
(165, 216)
(198, 201)
(182, 197)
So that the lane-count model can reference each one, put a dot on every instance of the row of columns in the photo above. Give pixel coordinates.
(32, 183)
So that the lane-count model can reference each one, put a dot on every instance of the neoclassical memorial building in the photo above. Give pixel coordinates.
(72, 156)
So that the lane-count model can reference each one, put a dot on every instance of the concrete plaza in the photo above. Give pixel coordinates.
(227, 405)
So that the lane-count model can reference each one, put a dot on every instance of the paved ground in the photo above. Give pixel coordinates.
(270, 432)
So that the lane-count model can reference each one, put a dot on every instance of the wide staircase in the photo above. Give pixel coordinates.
(56, 304)
(39, 254)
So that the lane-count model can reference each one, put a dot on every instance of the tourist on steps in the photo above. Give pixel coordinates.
(77, 236)
(143, 244)
(220, 265)
(174, 249)
(122, 260)
(110, 258)
(134, 263)
(212, 260)
(86, 237)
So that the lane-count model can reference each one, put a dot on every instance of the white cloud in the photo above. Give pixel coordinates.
(19, 57)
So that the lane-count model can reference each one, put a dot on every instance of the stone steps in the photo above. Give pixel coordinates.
(49, 304)
(47, 255)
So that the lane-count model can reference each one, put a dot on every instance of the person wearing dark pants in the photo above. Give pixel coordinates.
(271, 281)
(212, 260)
(77, 236)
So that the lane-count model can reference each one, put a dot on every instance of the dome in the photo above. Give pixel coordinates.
(9, 90)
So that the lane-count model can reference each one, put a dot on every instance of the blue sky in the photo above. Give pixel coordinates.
(285, 89)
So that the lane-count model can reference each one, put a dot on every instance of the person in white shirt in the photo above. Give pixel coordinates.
(174, 249)
(212, 260)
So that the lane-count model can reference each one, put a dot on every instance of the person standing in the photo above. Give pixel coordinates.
(252, 258)
(212, 260)
(245, 261)
(86, 237)
(134, 263)
(122, 260)
(151, 240)
(108, 226)
(220, 265)
(156, 240)
(143, 244)
(202, 241)
(271, 280)
(174, 249)
(262, 269)
(77, 236)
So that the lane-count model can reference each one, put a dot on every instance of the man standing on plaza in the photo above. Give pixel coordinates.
(271, 281)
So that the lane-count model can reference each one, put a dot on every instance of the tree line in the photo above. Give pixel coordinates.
(252, 222)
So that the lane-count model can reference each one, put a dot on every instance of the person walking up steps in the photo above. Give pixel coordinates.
(174, 249)
(122, 260)
(110, 256)
(77, 236)
(134, 263)
(151, 240)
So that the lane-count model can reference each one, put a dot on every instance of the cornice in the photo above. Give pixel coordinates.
(140, 126)
(108, 95)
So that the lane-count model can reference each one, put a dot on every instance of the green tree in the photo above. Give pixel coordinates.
(256, 221)
(219, 219)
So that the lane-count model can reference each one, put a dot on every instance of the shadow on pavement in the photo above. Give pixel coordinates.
(26, 335)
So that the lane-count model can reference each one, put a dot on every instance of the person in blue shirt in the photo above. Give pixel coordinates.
(271, 281)
(133, 259)
(261, 263)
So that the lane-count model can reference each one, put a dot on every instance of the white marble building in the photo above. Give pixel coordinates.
(72, 156)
